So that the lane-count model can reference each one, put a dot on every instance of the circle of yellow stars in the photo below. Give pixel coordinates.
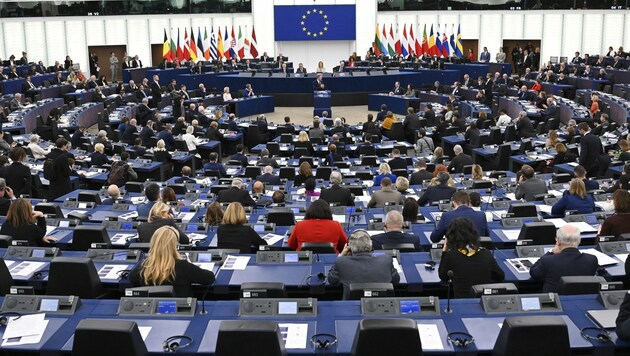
(314, 34)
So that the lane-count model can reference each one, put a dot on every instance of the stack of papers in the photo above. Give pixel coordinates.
(294, 335)
(272, 239)
(185, 216)
(111, 271)
(24, 330)
(128, 216)
(138, 200)
(208, 266)
(602, 259)
(235, 262)
(196, 237)
(511, 235)
(121, 239)
(26, 268)
(430, 337)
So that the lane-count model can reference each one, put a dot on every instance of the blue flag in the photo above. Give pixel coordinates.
(315, 23)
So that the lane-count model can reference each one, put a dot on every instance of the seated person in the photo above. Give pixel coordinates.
(23, 223)
(459, 161)
(619, 223)
(394, 233)
(528, 186)
(336, 193)
(421, 175)
(236, 193)
(214, 165)
(265, 160)
(385, 195)
(160, 215)
(470, 263)
(318, 226)
(441, 191)
(185, 176)
(113, 195)
(574, 199)
(240, 155)
(383, 171)
(461, 209)
(165, 266)
(357, 264)
(152, 194)
(233, 233)
(214, 214)
(580, 173)
(268, 177)
(98, 158)
(564, 260)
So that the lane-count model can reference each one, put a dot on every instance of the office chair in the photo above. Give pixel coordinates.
(93, 337)
(154, 291)
(6, 280)
(323, 173)
(407, 247)
(356, 291)
(263, 338)
(252, 171)
(74, 276)
(5, 241)
(520, 210)
(285, 172)
(84, 236)
(541, 233)
(178, 188)
(368, 340)
(86, 196)
(134, 187)
(50, 209)
(281, 217)
(572, 285)
(318, 247)
(549, 332)
(263, 290)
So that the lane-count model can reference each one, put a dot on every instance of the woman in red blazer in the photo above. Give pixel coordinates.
(471, 55)
(318, 226)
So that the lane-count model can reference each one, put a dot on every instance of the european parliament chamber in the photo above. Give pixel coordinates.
(466, 202)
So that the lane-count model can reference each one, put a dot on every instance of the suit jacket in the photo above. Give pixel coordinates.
(156, 92)
(26, 87)
(18, 177)
(238, 237)
(317, 85)
(362, 267)
(398, 91)
(145, 134)
(525, 128)
(147, 229)
(436, 193)
(569, 262)
(590, 149)
(458, 163)
(478, 219)
(397, 163)
(269, 178)
(385, 195)
(337, 194)
(529, 188)
(233, 194)
(395, 237)
(240, 157)
(420, 176)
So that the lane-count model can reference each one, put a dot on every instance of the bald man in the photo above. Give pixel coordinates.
(394, 234)
(113, 193)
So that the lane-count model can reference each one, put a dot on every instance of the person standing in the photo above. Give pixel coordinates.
(94, 67)
(113, 65)
(590, 150)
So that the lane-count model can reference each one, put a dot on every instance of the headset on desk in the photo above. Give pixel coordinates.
(4, 317)
(170, 344)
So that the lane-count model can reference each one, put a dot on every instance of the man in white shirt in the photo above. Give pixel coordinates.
(503, 119)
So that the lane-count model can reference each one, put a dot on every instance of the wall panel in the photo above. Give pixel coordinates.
(571, 34)
(490, 35)
(612, 36)
(552, 24)
(14, 38)
(36, 44)
(513, 26)
(592, 34)
(76, 43)
(56, 34)
(139, 40)
(95, 32)
(533, 26)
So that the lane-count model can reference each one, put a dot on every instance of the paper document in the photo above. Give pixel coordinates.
(128, 216)
(49, 229)
(510, 196)
(622, 257)
(583, 227)
(9, 263)
(272, 239)
(557, 222)
(26, 268)
(294, 335)
(606, 206)
(544, 208)
(363, 198)
(436, 215)
(522, 265)
(602, 259)
(397, 266)
(196, 237)
(121, 239)
(489, 216)
(199, 202)
(77, 212)
(555, 193)
(573, 164)
(499, 213)
(138, 200)
(26, 340)
(430, 337)
(370, 232)
(144, 331)
(208, 266)
(236, 262)
(185, 216)
(339, 218)
(111, 271)
(511, 235)
(25, 325)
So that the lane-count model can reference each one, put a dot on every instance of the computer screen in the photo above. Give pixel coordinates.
(295, 210)
(259, 228)
(409, 306)
(287, 308)
(204, 257)
(167, 307)
(191, 227)
(64, 223)
(83, 205)
(548, 249)
(133, 207)
(290, 257)
(531, 303)
(184, 209)
(126, 226)
(49, 305)
(39, 253)
(591, 219)
(120, 256)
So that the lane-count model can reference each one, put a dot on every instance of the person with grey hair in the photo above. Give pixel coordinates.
(265, 160)
(113, 195)
(268, 177)
(394, 234)
(441, 191)
(101, 137)
(356, 264)
(6, 197)
(37, 151)
(385, 195)
(524, 126)
(564, 260)
(16, 102)
(459, 161)
(236, 193)
(336, 193)
(191, 140)
(338, 127)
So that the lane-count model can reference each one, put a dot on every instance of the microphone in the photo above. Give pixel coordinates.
(450, 283)
(203, 300)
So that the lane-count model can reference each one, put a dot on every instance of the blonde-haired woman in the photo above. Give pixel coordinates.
(304, 141)
(383, 171)
(164, 266)
(574, 199)
(477, 172)
(552, 139)
(402, 185)
(98, 158)
(160, 215)
(320, 68)
(226, 94)
(235, 234)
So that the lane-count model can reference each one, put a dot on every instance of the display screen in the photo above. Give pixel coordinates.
(529, 304)
(64, 223)
(259, 228)
(82, 205)
(204, 257)
(409, 306)
(120, 256)
(628, 246)
(191, 227)
(126, 226)
(287, 308)
(184, 209)
(290, 257)
(133, 207)
(548, 249)
(38, 253)
(295, 210)
(167, 307)
(350, 210)
(528, 220)
(49, 305)
(591, 219)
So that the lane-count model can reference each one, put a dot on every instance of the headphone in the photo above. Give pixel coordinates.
(320, 277)
(602, 334)
(459, 341)
(430, 265)
(4, 317)
(170, 345)
(323, 341)
(122, 274)
(39, 274)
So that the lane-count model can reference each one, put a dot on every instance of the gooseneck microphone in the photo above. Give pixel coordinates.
(450, 283)
(203, 300)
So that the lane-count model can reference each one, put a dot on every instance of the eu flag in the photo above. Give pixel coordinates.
(315, 23)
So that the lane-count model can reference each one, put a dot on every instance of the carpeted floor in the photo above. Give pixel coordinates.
(304, 115)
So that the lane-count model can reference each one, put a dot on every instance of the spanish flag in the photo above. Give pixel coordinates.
(220, 45)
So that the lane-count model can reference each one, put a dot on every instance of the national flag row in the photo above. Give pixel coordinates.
(182, 44)
(392, 42)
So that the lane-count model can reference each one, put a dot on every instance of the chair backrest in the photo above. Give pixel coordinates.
(287, 172)
(84, 236)
(252, 171)
(402, 247)
(50, 209)
(318, 247)
(323, 172)
(369, 161)
(273, 148)
(400, 173)
(93, 337)
(260, 335)
(281, 217)
(572, 285)
(6, 281)
(73, 276)
(510, 133)
(286, 138)
(88, 196)
(300, 152)
(516, 335)
(370, 334)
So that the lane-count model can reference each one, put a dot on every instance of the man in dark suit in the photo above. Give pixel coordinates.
(381, 114)
(456, 89)
(398, 90)
(318, 83)
(528, 185)
(128, 135)
(240, 155)
(461, 209)
(16, 102)
(617, 64)
(487, 88)
(92, 83)
(394, 233)
(421, 175)
(76, 137)
(156, 91)
(564, 260)
(357, 264)
(215, 165)
(167, 135)
(28, 85)
(58, 79)
(590, 150)
(144, 112)
(442, 191)
(232, 125)
(522, 93)
(459, 161)
(185, 176)
(524, 126)
(336, 193)
(397, 162)
(6, 197)
(411, 125)
(236, 193)
(550, 111)
(146, 133)
(268, 177)
(429, 115)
